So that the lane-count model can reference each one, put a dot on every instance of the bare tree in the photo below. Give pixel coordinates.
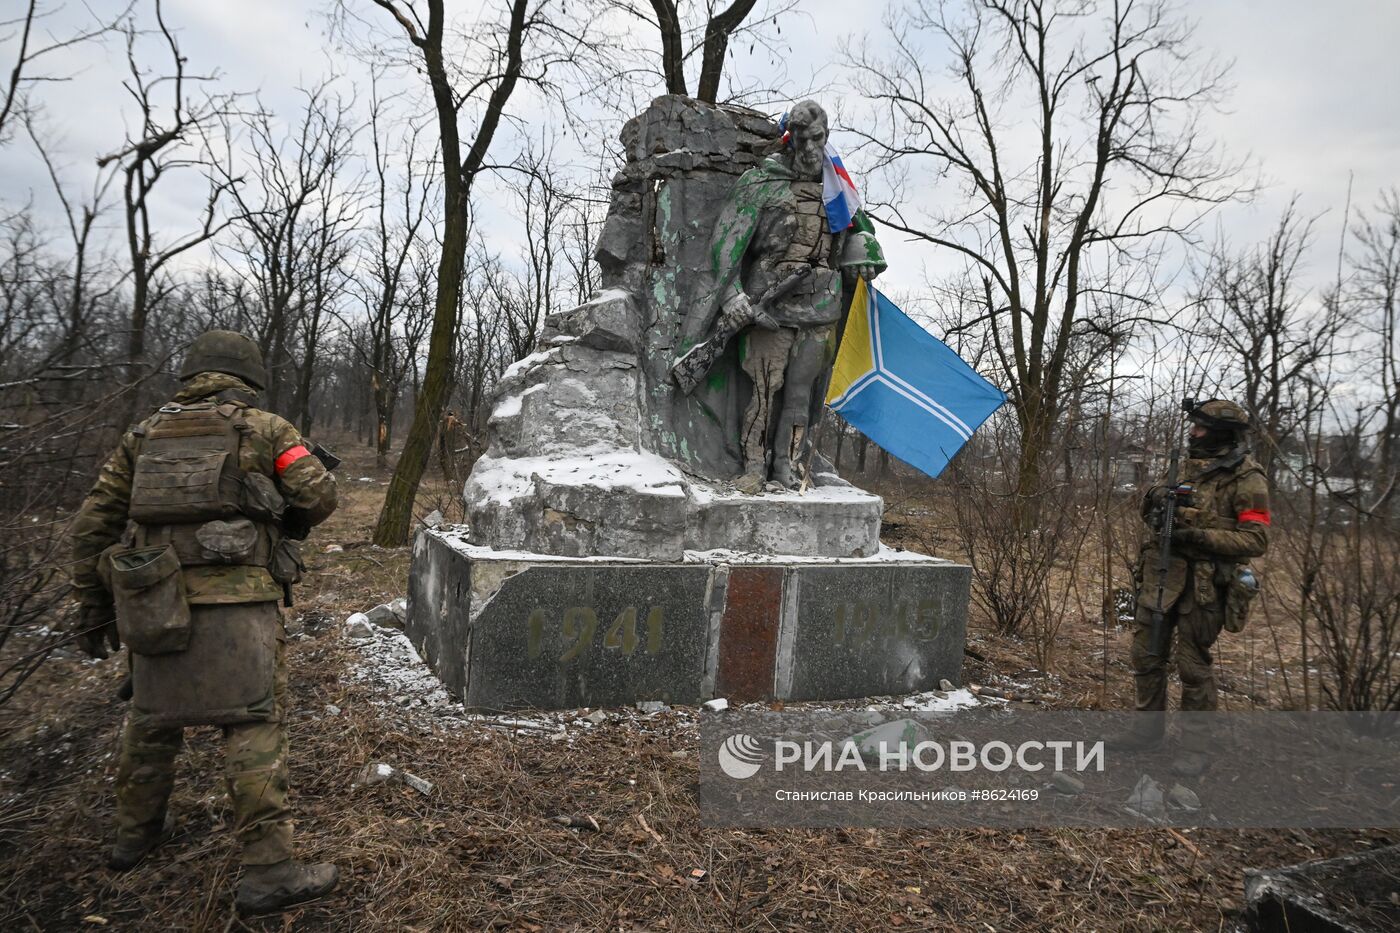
(80, 218)
(1070, 137)
(29, 50)
(387, 344)
(292, 217)
(719, 26)
(536, 37)
(161, 146)
(1276, 339)
(1374, 297)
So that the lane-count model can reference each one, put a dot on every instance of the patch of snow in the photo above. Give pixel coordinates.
(886, 554)
(507, 407)
(504, 479)
(455, 537)
(529, 362)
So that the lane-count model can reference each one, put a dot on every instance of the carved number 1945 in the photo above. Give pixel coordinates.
(580, 624)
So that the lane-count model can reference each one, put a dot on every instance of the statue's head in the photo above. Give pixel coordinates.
(806, 127)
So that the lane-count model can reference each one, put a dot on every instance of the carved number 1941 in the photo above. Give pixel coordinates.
(579, 625)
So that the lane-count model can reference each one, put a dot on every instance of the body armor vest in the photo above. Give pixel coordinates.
(798, 238)
(190, 492)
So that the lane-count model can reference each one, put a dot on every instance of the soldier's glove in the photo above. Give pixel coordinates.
(1196, 518)
(296, 524)
(1189, 537)
(97, 629)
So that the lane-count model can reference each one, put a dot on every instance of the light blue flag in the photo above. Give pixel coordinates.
(904, 388)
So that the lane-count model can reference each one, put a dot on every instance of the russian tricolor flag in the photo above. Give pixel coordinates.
(838, 192)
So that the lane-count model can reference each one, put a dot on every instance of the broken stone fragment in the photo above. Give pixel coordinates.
(1146, 800)
(608, 322)
(388, 615)
(375, 773)
(1183, 798)
(358, 627)
(1066, 783)
(718, 704)
(886, 738)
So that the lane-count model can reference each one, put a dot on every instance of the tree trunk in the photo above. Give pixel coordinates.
(717, 33)
(672, 54)
(458, 174)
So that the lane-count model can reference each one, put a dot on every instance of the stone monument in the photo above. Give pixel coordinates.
(650, 519)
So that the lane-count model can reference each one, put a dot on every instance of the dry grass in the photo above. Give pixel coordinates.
(482, 852)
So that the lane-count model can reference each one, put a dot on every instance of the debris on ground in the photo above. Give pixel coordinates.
(1066, 783)
(1146, 800)
(392, 614)
(1183, 798)
(577, 822)
(379, 773)
(358, 626)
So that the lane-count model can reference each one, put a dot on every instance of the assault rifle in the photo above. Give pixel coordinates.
(1159, 638)
(329, 460)
(695, 363)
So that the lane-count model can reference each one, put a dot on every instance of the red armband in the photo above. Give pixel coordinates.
(1255, 515)
(293, 454)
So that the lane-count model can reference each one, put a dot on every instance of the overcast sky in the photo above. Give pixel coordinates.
(1316, 94)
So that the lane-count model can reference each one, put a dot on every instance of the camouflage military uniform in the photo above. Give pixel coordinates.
(223, 598)
(1221, 525)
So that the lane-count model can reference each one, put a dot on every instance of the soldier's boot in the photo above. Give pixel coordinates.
(131, 850)
(270, 888)
(1144, 731)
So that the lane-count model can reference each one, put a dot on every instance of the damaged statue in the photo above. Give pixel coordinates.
(783, 269)
(669, 414)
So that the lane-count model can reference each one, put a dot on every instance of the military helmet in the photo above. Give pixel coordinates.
(1217, 414)
(225, 351)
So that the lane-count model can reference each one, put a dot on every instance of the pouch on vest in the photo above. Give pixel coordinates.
(1239, 594)
(179, 487)
(286, 564)
(1146, 576)
(153, 616)
(233, 541)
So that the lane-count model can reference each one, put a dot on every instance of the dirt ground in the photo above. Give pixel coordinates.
(488, 847)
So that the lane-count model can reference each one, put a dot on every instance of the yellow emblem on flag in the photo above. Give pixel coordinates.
(856, 356)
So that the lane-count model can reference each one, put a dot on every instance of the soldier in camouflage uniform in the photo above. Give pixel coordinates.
(188, 540)
(1222, 521)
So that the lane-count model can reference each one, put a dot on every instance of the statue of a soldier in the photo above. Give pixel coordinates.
(1221, 522)
(782, 281)
(188, 539)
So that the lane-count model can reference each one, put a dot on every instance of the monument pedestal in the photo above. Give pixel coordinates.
(507, 630)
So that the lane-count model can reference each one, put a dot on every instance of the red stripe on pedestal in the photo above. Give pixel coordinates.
(748, 634)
